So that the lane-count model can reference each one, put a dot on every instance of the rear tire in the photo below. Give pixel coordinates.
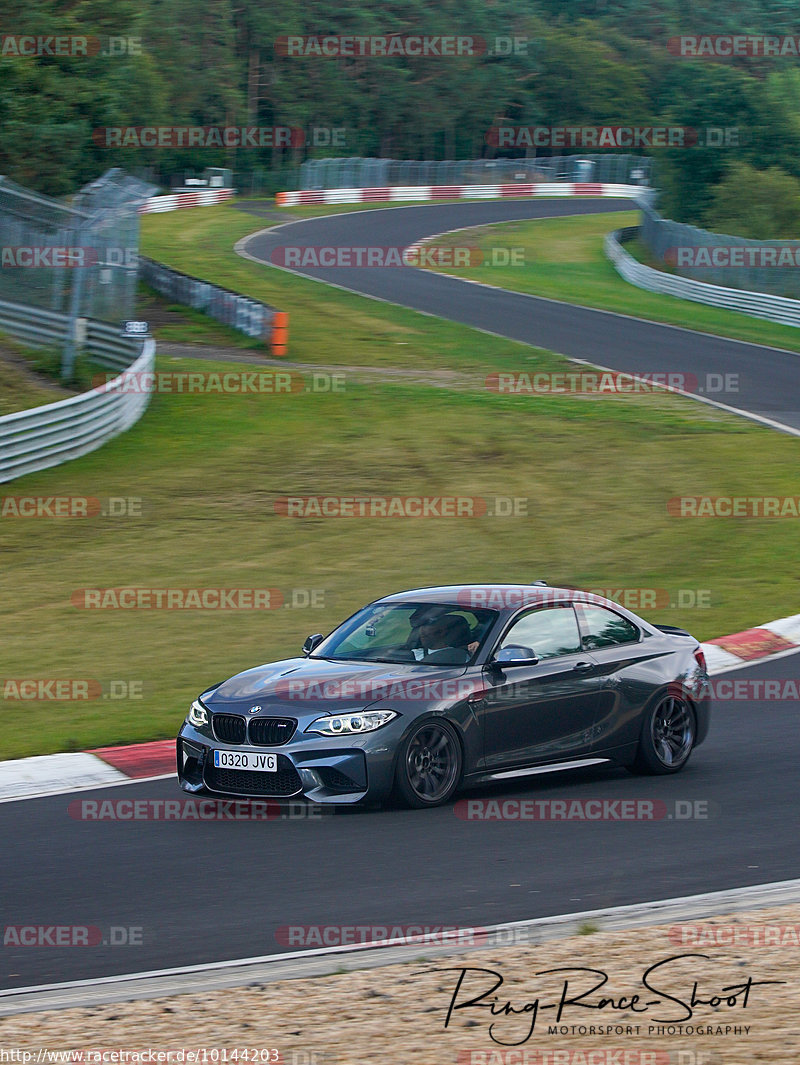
(669, 731)
(429, 764)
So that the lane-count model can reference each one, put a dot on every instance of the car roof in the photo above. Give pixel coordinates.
(497, 596)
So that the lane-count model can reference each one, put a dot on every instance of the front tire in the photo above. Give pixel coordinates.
(428, 764)
(669, 731)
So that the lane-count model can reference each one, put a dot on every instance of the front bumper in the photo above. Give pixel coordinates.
(318, 768)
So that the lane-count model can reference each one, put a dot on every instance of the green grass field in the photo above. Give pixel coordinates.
(203, 473)
(26, 377)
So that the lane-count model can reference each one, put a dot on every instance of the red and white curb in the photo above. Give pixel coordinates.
(54, 774)
(405, 193)
(772, 638)
(57, 774)
(175, 200)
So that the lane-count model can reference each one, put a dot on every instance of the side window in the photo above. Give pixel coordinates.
(604, 628)
(548, 633)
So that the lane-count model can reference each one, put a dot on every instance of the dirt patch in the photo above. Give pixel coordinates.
(262, 209)
(155, 310)
(451, 379)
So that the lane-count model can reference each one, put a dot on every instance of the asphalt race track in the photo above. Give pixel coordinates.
(200, 891)
(769, 379)
(208, 891)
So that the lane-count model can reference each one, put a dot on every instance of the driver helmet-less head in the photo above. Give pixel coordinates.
(448, 630)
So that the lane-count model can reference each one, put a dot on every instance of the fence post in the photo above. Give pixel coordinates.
(70, 340)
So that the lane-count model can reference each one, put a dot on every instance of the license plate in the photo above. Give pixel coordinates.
(264, 763)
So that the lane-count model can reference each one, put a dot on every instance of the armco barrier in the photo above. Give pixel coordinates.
(756, 304)
(32, 440)
(248, 316)
(400, 193)
(721, 258)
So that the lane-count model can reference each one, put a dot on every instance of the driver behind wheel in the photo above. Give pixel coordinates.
(450, 631)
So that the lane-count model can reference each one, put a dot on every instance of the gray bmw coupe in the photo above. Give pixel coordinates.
(426, 691)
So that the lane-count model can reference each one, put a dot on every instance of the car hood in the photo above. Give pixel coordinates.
(298, 685)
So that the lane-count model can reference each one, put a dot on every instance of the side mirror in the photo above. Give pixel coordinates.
(312, 642)
(514, 655)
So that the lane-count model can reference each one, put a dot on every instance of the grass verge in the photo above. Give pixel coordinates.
(30, 377)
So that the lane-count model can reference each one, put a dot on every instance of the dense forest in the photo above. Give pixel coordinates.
(211, 63)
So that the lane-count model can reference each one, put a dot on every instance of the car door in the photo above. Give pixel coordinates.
(627, 672)
(542, 711)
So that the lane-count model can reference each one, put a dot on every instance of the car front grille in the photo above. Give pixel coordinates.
(229, 728)
(270, 731)
(246, 782)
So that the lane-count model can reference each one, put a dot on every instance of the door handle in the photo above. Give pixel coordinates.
(583, 667)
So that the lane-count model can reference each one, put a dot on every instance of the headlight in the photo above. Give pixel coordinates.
(351, 724)
(198, 715)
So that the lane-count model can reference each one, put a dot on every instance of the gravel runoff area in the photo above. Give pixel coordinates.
(396, 1014)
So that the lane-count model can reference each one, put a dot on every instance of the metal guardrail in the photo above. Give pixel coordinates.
(35, 439)
(246, 315)
(756, 304)
(724, 259)
(36, 325)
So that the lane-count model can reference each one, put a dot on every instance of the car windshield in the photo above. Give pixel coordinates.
(441, 634)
